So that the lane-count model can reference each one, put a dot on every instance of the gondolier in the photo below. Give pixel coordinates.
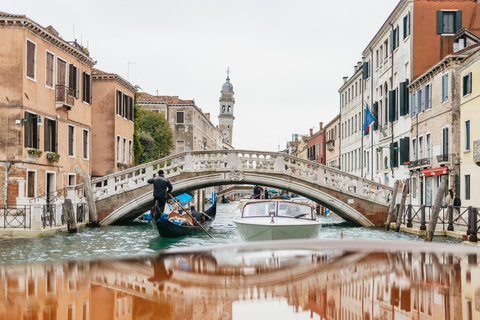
(161, 187)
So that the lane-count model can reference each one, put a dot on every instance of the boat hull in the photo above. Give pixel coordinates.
(251, 231)
(168, 229)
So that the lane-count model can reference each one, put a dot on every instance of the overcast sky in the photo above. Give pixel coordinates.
(287, 58)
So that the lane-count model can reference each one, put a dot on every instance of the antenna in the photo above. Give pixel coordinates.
(228, 73)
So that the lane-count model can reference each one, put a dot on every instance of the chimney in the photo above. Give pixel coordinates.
(345, 80)
(355, 68)
(321, 125)
(311, 132)
(175, 100)
(207, 115)
(359, 64)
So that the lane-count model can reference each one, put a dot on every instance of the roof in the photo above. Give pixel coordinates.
(165, 99)
(98, 74)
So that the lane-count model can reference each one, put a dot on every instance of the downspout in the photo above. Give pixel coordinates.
(340, 134)
(362, 117)
(7, 168)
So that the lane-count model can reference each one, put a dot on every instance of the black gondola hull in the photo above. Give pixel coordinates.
(168, 229)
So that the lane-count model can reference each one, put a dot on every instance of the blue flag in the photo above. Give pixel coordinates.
(369, 119)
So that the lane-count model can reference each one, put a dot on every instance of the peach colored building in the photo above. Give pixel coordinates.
(46, 85)
(112, 123)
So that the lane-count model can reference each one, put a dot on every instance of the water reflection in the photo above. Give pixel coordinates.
(322, 280)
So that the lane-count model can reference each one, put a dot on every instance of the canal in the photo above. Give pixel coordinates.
(136, 239)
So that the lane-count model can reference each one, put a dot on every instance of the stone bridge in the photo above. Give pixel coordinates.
(235, 190)
(123, 196)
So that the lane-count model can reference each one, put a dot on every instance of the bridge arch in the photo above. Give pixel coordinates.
(353, 198)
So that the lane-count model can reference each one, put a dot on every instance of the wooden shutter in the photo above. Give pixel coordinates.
(61, 71)
(393, 155)
(365, 70)
(46, 136)
(458, 20)
(31, 59)
(404, 150)
(84, 93)
(439, 22)
(77, 83)
(36, 128)
(375, 114)
(413, 104)
(391, 105)
(55, 136)
(49, 70)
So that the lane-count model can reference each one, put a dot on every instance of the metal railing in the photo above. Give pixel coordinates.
(81, 212)
(49, 215)
(442, 158)
(64, 94)
(17, 217)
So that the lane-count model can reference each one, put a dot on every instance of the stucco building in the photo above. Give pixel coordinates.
(332, 141)
(316, 145)
(46, 85)
(112, 123)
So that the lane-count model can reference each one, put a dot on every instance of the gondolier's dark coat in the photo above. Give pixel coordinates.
(161, 186)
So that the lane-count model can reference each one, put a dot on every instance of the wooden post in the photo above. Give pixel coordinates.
(436, 209)
(70, 215)
(392, 205)
(409, 216)
(450, 218)
(402, 205)
(92, 207)
(422, 218)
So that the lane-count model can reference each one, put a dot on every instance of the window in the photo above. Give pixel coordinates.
(87, 88)
(124, 150)
(119, 102)
(449, 22)
(467, 187)
(406, 26)
(32, 131)
(385, 44)
(51, 133)
(31, 183)
(445, 87)
(73, 79)
(31, 60)
(377, 59)
(414, 148)
(180, 146)
(71, 141)
(49, 63)
(180, 117)
(72, 180)
(420, 147)
(118, 148)
(467, 84)
(71, 312)
(86, 144)
(130, 151)
(467, 135)
(85, 310)
(395, 40)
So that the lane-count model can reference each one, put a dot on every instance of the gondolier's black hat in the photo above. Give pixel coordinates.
(160, 172)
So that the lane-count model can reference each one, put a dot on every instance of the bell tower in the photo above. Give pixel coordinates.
(227, 103)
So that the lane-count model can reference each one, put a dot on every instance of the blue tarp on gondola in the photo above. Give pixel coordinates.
(184, 198)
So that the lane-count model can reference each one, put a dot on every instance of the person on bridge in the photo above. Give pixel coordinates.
(161, 188)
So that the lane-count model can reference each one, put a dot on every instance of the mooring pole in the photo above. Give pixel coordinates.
(70, 214)
(392, 205)
(92, 208)
(402, 205)
(473, 229)
(436, 209)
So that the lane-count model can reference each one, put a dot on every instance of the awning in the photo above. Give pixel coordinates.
(434, 171)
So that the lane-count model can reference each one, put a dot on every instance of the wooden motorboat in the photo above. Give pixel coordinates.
(177, 224)
(274, 219)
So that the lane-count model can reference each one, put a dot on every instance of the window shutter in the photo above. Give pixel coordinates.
(403, 98)
(77, 83)
(375, 114)
(469, 87)
(458, 20)
(391, 106)
(84, 87)
(439, 22)
(37, 146)
(55, 136)
(392, 40)
(404, 150)
(465, 83)
(413, 104)
(393, 155)
(90, 90)
(365, 70)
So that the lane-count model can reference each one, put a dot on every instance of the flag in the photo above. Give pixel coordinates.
(369, 119)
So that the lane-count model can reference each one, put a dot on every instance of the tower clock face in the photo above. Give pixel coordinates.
(226, 133)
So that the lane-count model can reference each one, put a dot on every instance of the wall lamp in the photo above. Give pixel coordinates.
(29, 118)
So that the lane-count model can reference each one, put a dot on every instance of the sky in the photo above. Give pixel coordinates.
(287, 58)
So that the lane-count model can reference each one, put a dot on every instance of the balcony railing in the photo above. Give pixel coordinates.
(330, 145)
(64, 96)
(442, 158)
(420, 162)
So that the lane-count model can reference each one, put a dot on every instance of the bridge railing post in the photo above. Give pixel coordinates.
(279, 163)
(232, 160)
(188, 164)
(360, 187)
(148, 172)
(111, 185)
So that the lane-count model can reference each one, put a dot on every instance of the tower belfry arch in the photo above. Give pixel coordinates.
(226, 112)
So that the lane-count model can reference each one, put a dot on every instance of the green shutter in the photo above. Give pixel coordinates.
(365, 70)
(465, 84)
(458, 20)
(391, 106)
(375, 114)
(439, 22)
(403, 98)
(404, 150)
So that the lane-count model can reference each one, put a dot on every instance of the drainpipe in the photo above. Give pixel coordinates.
(391, 87)
(363, 117)
(6, 171)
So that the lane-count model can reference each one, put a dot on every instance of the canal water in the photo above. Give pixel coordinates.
(138, 238)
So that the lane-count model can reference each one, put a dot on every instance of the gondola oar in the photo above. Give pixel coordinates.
(193, 219)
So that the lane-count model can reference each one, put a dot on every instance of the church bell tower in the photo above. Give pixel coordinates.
(227, 102)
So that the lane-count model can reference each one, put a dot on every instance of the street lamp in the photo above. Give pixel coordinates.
(29, 118)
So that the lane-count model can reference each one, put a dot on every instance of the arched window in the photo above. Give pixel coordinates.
(229, 108)
(223, 109)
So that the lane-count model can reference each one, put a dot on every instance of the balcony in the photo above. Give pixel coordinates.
(442, 158)
(419, 163)
(64, 97)
(330, 145)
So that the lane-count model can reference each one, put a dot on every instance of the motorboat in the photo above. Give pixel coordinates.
(275, 219)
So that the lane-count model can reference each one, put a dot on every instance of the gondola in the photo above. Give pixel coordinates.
(168, 229)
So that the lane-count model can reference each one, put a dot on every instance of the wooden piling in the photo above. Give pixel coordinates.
(92, 208)
(436, 209)
(402, 205)
(392, 205)
(70, 216)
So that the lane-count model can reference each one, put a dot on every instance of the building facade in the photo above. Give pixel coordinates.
(332, 142)
(316, 146)
(46, 85)
(112, 123)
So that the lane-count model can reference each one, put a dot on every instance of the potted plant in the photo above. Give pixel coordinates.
(35, 152)
(52, 156)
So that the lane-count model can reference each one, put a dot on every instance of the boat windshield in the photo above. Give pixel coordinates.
(258, 209)
(295, 210)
